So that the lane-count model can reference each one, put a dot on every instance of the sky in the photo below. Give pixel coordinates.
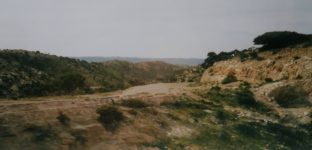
(146, 28)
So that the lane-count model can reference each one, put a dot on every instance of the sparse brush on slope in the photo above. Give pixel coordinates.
(223, 56)
(31, 74)
(229, 79)
(271, 41)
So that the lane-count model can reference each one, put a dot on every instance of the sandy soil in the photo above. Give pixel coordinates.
(151, 89)
(159, 88)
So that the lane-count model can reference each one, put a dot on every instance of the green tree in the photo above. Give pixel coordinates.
(280, 39)
(70, 82)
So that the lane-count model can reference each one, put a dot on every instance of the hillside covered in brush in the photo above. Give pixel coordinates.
(25, 73)
(273, 42)
(186, 61)
(143, 72)
(275, 60)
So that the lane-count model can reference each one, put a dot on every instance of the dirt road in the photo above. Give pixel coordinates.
(159, 88)
(18, 115)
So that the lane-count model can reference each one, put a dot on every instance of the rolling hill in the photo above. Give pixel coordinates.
(26, 73)
(186, 61)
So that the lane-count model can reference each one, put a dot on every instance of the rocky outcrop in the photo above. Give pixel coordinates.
(294, 94)
(282, 65)
(192, 74)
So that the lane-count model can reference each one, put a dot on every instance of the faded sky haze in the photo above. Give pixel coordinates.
(146, 28)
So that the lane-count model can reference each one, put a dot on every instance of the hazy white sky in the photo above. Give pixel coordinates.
(146, 28)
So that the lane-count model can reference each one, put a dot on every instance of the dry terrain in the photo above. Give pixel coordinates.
(142, 128)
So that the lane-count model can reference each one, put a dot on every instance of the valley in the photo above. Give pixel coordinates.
(256, 98)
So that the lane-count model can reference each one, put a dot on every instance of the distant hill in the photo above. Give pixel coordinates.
(186, 61)
(26, 73)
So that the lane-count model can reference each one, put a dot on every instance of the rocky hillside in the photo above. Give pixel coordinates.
(287, 63)
(291, 67)
(192, 74)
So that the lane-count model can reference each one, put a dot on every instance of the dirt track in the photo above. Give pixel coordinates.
(16, 116)
(159, 88)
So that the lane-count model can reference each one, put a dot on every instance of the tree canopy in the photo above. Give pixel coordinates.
(280, 39)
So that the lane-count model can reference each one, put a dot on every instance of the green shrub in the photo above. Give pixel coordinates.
(299, 77)
(213, 57)
(274, 51)
(245, 98)
(253, 55)
(296, 57)
(174, 117)
(63, 118)
(134, 103)
(247, 129)
(183, 104)
(70, 82)
(79, 138)
(110, 117)
(244, 85)
(14, 97)
(215, 88)
(150, 111)
(268, 80)
(260, 58)
(132, 112)
(306, 45)
(291, 137)
(41, 133)
(198, 113)
(220, 114)
(229, 79)
(243, 56)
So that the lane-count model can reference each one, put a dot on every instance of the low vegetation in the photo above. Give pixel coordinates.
(79, 139)
(41, 133)
(241, 97)
(296, 57)
(268, 80)
(110, 117)
(229, 79)
(35, 74)
(132, 112)
(63, 118)
(134, 103)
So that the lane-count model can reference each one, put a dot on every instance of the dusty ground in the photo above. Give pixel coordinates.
(16, 116)
(159, 88)
(147, 126)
